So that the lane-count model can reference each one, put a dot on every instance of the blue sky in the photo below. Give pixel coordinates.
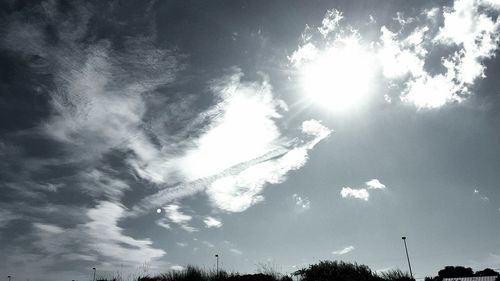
(145, 136)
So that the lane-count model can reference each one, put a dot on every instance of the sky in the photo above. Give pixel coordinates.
(139, 137)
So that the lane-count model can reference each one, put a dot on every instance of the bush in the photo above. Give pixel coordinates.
(338, 271)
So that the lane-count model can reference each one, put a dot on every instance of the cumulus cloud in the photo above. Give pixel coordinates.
(212, 222)
(467, 37)
(348, 192)
(362, 193)
(374, 184)
(343, 251)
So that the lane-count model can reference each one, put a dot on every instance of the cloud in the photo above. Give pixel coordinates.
(181, 244)
(241, 151)
(330, 22)
(7, 216)
(98, 239)
(208, 244)
(174, 215)
(236, 251)
(177, 267)
(302, 202)
(348, 192)
(374, 184)
(362, 193)
(343, 251)
(212, 222)
(431, 62)
(239, 191)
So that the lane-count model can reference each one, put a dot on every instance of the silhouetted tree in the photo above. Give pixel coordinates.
(455, 271)
(487, 272)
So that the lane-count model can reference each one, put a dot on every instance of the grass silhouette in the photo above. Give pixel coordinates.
(322, 271)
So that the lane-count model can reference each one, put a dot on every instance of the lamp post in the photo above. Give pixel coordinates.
(407, 256)
(93, 268)
(217, 264)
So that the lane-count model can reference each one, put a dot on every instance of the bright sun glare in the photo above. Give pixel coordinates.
(339, 77)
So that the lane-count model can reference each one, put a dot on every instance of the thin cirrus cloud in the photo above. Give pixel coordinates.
(343, 251)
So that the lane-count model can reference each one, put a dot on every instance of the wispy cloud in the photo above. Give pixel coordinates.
(212, 222)
(302, 202)
(242, 151)
(175, 215)
(343, 251)
(98, 239)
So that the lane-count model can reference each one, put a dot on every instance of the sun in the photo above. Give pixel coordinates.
(339, 77)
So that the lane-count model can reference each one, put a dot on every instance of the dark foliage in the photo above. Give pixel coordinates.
(396, 275)
(455, 271)
(487, 272)
(338, 271)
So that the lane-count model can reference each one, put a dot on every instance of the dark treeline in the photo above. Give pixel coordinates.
(462, 271)
(322, 271)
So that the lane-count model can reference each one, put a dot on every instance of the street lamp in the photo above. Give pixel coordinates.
(217, 264)
(93, 268)
(407, 256)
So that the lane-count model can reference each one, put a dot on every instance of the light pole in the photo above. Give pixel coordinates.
(217, 264)
(93, 268)
(9, 277)
(407, 256)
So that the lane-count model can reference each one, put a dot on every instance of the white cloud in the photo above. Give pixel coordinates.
(237, 192)
(236, 251)
(301, 202)
(212, 222)
(348, 192)
(181, 244)
(173, 213)
(242, 152)
(330, 22)
(374, 184)
(242, 129)
(177, 267)
(343, 251)
(98, 238)
(398, 58)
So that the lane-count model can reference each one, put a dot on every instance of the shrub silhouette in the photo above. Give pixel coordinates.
(337, 271)
(455, 271)
(486, 272)
(395, 275)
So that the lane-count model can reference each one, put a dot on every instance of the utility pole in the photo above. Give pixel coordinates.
(217, 264)
(93, 268)
(407, 256)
